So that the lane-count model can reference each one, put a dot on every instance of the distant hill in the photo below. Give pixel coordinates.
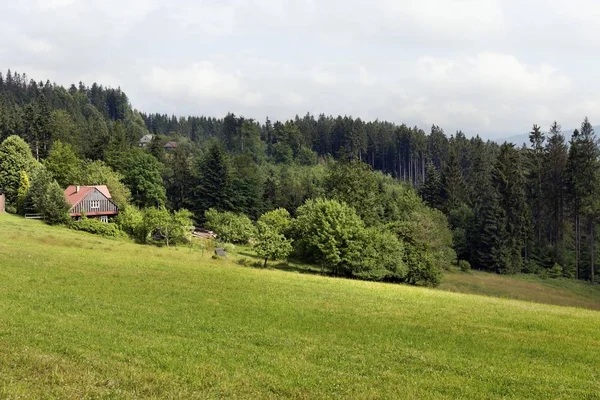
(518, 140)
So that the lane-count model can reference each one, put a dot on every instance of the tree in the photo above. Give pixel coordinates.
(98, 173)
(47, 198)
(582, 167)
(431, 190)
(214, 189)
(172, 228)
(142, 175)
(554, 185)
(270, 244)
(24, 185)
(278, 220)
(63, 164)
(55, 207)
(453, 182)
(354, 183)
(330, 234)
(230, 227)
(509, 181)
(15, 156)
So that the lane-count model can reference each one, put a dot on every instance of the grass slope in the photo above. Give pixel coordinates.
(85, 317)
(562, 292)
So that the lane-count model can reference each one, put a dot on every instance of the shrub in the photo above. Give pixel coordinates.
(531, 266)
(230, 227)
(97, 227)
(464, 266)
(556, 271)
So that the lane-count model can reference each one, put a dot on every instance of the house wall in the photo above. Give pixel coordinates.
(2, 202)
(106, 206)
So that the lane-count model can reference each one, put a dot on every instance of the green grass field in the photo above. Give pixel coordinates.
(86, 317)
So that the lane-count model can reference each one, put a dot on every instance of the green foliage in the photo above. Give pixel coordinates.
(556, 271)
(15, 156)
(142, 176)
(355, 184)
(278, 220)
(98, 173)
(97, 227)
(47, 198)
(215, 180)
(464, 266)
(55, 207)
(431, 190)
(63, 164)
(330, 234)
(130, 220)
(156, 223)
(383, 257)
(229, 226)
(271, 244)
(24, 185)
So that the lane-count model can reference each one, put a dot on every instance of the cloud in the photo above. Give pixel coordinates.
(492, 67)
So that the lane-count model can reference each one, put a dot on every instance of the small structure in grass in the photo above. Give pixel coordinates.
(2, 202)
(219, 251)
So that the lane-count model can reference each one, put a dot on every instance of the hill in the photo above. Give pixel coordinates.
(86, 317)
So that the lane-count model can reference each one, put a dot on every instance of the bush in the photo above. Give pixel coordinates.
(464, 266)
(230, 227)
(97, 227)
(531, 266)
(556, 271)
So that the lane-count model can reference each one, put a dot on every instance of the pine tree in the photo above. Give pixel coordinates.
(582, 171)
(453, 182)
(431, 190)
(214, 189)
(554, 178)
(535, 159)
(508, 180)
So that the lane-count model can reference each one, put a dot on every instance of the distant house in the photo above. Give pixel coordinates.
(145, 140)
(170, 146)
(94, 201)
(2, 202)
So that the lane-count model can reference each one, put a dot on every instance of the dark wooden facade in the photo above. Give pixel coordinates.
(94, 204)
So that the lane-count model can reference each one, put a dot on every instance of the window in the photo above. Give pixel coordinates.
(104, 219)
(94, 204)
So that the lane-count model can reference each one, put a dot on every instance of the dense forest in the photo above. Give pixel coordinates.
(498, 207)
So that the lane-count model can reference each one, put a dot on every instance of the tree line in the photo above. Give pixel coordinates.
(509, 209)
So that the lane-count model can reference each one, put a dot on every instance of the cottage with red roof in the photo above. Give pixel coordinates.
(93, 201)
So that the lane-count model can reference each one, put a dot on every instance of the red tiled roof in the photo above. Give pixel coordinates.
(73, 196)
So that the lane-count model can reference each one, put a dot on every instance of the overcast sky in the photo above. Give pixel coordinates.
(489, 67)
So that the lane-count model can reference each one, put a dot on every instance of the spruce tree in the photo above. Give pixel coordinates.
(453, 182)
(431, 190)
(554, 185)
(214, 189)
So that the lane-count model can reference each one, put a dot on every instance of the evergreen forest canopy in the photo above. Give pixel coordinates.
(498, 207)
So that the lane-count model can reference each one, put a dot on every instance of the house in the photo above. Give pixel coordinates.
(170, 146)
(145, 140)
(2, 202)
(94, 201)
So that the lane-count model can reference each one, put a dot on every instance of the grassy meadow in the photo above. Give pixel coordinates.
(87, 317)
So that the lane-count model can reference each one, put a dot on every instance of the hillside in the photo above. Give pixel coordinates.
(82, 316)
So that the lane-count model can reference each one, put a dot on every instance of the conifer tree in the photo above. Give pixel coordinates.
(431, 190)
(453, 183)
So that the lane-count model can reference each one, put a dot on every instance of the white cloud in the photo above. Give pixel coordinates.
(485, 66)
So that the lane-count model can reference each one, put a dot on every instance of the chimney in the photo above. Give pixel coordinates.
(77, 189)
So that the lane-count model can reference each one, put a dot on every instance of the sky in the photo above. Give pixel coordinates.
(487, 67)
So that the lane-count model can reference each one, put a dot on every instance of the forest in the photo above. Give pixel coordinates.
(366, 199)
